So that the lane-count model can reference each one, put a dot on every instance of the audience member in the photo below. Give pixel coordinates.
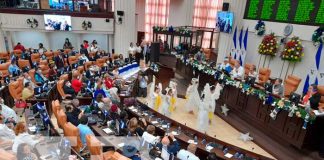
(71, 117)
(278, 88)
(39, 77)
(67, 44)
(85, 44)
(170, 144)
(253, 72)
(5, 132)
(68, 90)
(84, 129)
(312, 97)
(225, 65)
(131, 50)
(52, 73)
(23, 137)
(188, 154)
(28, 79)
(212, 156)
(134, 126)
(142, 89)
(41, 49)
(94, 46)
(59, 61)
(238, 71)
(108, 82)
(27, 92)
(200, 55)
(24, 152)
(76, 81)
(8, 113)
(13, 68)
(83, 57)
(19, 46)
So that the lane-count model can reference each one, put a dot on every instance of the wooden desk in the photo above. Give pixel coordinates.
(188, 134)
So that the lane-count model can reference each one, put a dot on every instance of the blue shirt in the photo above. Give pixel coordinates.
(84, 130)
(99, 91)
(38, 78)
(13, 68)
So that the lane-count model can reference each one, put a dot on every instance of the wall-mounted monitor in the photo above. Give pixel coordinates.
(225, 21)
(57, 22)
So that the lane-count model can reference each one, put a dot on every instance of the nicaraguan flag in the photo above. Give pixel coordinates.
(241, 37)
(246, 38)
(306, 84)
(318, 56)
(234, 37)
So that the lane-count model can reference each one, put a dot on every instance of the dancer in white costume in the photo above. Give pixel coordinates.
(192, 96)
(166, 102)
(214, 96)
(173, 86)
(156, 97)
(151, 93)
(203, 108)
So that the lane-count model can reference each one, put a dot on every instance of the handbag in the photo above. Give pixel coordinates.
(20, 104)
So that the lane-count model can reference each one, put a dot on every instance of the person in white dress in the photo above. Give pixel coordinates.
(151, 90)
(215, 93)
(192, 96)
(166, 103)
(8, 113)
(156, 97)
(203, 109)
(173, 86)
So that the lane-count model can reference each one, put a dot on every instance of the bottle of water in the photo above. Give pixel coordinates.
(195, 139)
(129, 134)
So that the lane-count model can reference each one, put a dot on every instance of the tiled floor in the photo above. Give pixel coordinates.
(218, 127)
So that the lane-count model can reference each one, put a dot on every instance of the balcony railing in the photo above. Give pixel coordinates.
(78, 8)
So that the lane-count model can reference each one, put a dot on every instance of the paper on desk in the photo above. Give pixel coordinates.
(134, 110)
(120, 145)
(131, 107)
(164, 126)
(122, 94)
(209, 148)
(318, 113)
(32, 128)
(175, 133)
(192, 141)
(108, 131)
(154, 122)
(228, 155)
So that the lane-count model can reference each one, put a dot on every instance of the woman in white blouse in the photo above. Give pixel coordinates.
(23, 137)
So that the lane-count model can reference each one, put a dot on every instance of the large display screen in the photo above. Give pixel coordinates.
(225, 21)
(57, 22)
(309, 12)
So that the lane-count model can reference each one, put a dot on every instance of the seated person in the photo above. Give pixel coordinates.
(312, 97)
(59, 61)
(8, 113)
(278, 88)
(5, 132)
(13, 68)
(212, 156)
(113, 95)
(148, 135)
(39, 77)
(238, 71)
(188, 154)
(25, 152)
(83, 57)
(27, 92)
(103, 103)
(84, 129)
(68, 90)
(22, 136)
(114, 111)
(92, 72)
(225, 65)
(253, 72)
(27, 78)
(200, 55)
(136, 127)
(99, 89)
(108, 82)
(71, 117)
(170, 144)
(76, 81)
(52, 71)
(115, 73)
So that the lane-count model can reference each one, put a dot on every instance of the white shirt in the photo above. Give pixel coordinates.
(186, 155)
(131, 50)
(223, 66)
(85, 58)
(138, 49)
(238, 72)
(6, 133)
(94, 48)
(24, 138)
(7, 113)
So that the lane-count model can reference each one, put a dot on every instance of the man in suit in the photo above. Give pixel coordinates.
(59, 61)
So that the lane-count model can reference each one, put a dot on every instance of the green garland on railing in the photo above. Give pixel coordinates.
(277, 103)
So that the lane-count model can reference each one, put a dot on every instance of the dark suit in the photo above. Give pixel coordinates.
(59, 62)
(69, 90)
(84, 51)
(314, 101)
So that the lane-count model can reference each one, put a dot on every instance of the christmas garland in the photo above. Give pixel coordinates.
(267, 98)
(318, 36)
(180, 30)
(269, 45)
(260, 28)
(293, 51)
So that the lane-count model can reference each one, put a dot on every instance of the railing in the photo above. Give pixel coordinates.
(82, 8)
